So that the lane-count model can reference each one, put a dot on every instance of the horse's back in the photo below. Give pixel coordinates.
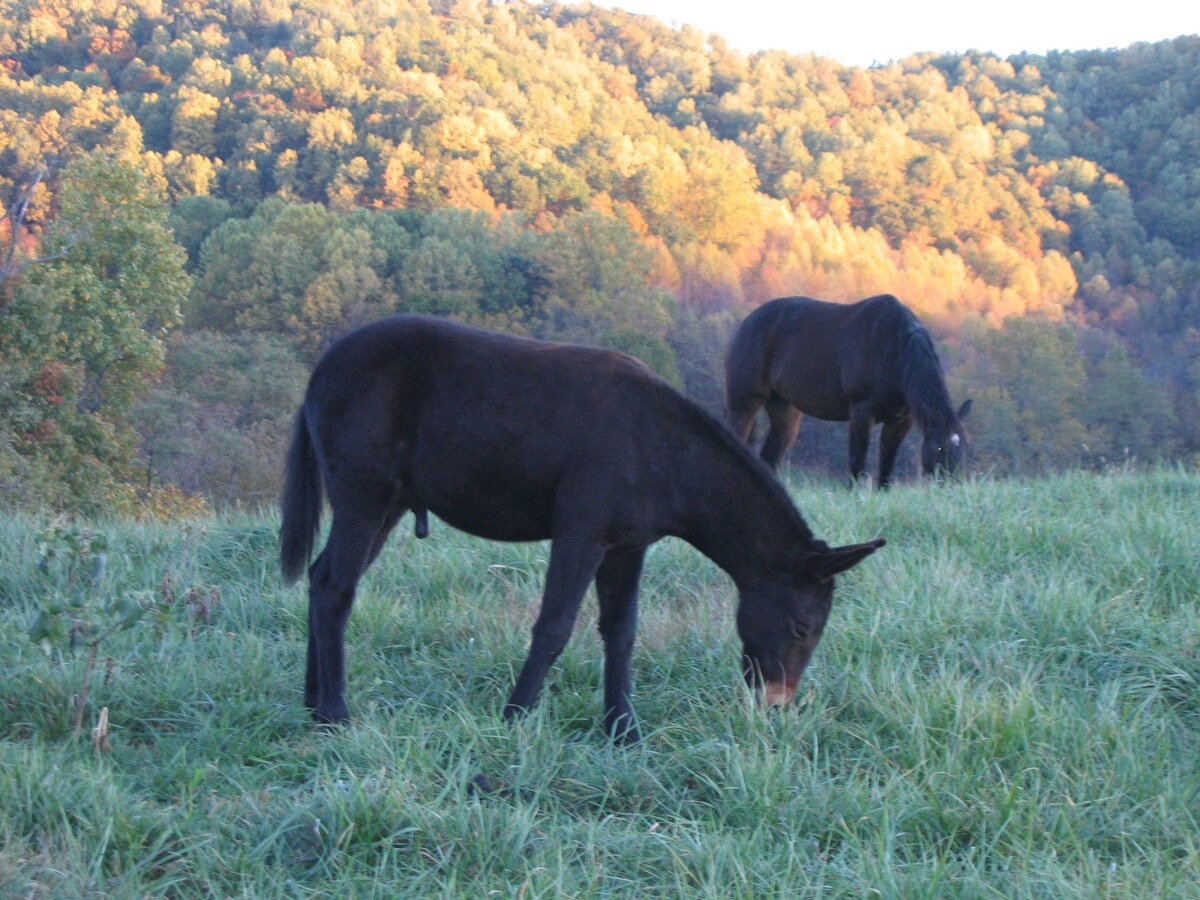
(410, 371)
(481, 428)
(811, 320)
(817, 355)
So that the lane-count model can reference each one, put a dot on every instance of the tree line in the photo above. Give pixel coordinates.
(199, 197)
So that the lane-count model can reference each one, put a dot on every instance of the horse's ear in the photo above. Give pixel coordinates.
(824, 564)
(964, 409)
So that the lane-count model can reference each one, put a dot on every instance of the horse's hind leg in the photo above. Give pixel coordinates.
(617, 590)
(354, 541)
(785, 425)
(741, 413)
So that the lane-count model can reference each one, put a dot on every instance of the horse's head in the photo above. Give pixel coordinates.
(944, 445)
(780, 621)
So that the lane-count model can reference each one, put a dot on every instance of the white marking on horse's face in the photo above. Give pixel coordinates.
(956, 439)
(777, 693)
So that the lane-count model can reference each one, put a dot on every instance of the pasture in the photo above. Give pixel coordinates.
(1006, 702)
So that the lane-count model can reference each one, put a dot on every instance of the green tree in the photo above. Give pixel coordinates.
(440, 277)
(599, 279)
(254, 272)
(1128, 417)
(219, 423)
(300, 271)
(476, 267)
(82, 339)
(193, 219)
(1030, 377)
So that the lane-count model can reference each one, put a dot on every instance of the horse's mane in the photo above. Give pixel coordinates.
(921, 375)
(705, 422)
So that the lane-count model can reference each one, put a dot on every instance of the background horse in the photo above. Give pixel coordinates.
(867, 362)
(520, 440)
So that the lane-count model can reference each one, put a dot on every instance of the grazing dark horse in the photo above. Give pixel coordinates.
(867, 362)
(520, 440)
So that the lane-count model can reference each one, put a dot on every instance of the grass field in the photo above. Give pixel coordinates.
(1006, 703)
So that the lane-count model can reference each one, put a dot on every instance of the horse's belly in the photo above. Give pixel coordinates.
(812, 386)
(828, 405)
(505, 467)
(493, 522)
(488, 501)
(826, 412)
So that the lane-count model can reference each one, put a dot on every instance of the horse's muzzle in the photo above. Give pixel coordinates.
(776, 693)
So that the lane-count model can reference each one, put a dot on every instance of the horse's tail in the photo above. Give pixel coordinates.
(301, 503)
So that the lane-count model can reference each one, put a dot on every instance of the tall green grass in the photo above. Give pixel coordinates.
(1006, 703)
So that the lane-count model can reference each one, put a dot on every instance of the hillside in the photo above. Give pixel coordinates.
(582, 173)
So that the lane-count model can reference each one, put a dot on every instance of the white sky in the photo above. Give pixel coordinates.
(860, 32)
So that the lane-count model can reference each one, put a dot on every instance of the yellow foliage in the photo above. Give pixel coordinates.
(169, 504)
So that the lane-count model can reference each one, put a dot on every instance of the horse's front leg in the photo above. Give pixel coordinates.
(891, 436)
(861, 422)
(573, 563)
(617, 590)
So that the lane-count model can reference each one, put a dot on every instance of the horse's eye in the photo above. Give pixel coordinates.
(799, 632)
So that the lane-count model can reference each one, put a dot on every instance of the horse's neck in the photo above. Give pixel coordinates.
(726, 509)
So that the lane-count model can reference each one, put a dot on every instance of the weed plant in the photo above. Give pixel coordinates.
(1006, 703)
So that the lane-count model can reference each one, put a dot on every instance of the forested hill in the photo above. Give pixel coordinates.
(568, 172)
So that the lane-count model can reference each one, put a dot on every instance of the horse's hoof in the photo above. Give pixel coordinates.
(336, 717)
(485, 784)
(514, 711)
(623, 731)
